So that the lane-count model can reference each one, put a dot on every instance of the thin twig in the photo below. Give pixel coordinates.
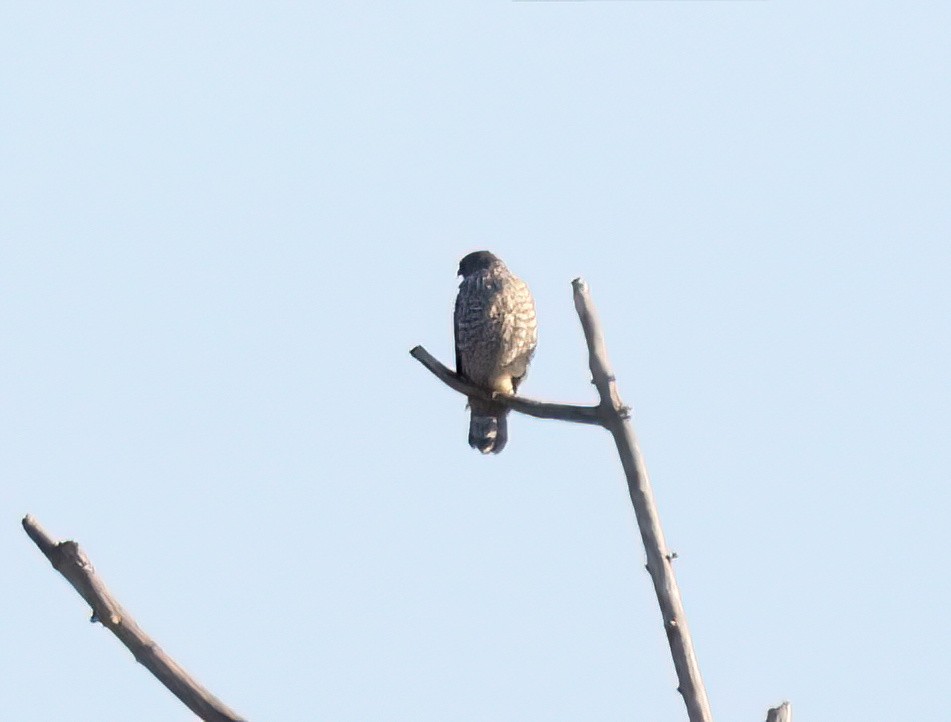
(70, 561)
(538, 409)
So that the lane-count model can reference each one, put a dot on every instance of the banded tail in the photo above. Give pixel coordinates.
(488, 426)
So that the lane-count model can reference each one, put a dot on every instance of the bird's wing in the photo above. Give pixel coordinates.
(457, 321)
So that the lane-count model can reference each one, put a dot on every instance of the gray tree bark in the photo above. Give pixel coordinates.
(70, 561)
(783, 713)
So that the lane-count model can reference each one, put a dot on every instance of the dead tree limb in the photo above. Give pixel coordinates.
(614, 416)
(783, 713)
(70, 561)
(538, 409)
(659, 560)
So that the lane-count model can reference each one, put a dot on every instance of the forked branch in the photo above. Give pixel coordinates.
(613, 415)
(70, 561)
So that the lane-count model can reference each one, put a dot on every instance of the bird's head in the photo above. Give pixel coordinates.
(476, 261)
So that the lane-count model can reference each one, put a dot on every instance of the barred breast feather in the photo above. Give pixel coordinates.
(496, 334)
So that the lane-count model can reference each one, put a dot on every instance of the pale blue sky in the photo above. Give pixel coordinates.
(224, 225)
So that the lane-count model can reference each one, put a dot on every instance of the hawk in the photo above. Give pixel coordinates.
(496, 334)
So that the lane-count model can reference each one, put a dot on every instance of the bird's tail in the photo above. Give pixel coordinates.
(488, 426)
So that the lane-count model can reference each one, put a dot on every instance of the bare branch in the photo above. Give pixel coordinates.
(70, 561)
(538, 409)
(659, 559)
(612, 414)
(783, 713)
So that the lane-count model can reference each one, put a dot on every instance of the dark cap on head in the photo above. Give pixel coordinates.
(476, 261)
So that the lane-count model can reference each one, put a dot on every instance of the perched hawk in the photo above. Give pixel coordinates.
(496, 333)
